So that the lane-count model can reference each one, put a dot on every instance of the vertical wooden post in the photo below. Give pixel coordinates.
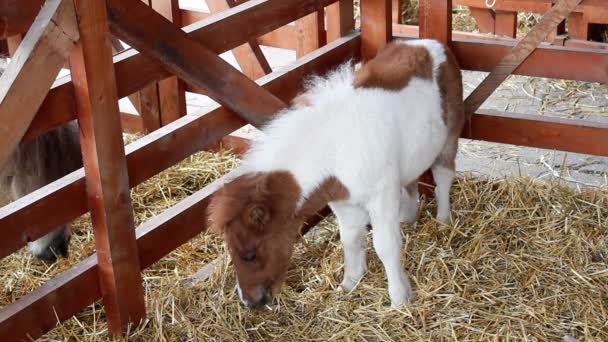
(578, 26)
(485, 19)
(106, 169)
(310, 33)
(172, 95)
(396, 10)
(145, 101)
(376, 26)
(340, 19)
(436, 20)
(506, 24)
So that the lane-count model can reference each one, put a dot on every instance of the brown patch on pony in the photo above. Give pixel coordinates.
(452, 106)
(450, 88)
(330, 190)
(394, 66)
(257, 215)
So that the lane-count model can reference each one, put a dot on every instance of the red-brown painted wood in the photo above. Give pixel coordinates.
(190, 60)
(435, 17)
(250, 57)
(33, 315)
(310, 33)
(376, 26)
(106, 170)
(340, 19)
(27, 79)
(17, 16)
(34, 215)
(171, 94)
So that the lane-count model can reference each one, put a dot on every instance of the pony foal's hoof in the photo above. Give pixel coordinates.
(348, 284)
(404, 297)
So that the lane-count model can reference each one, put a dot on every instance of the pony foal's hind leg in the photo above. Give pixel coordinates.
(384, 215)
(443, 172)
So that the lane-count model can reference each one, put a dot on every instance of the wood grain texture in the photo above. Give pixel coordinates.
(34, 215)
(17, 16)
(376, 26)
(220, 33)
(340, 19)
(105, 166)
(188, 59)
(171, 93)
(249, 56)
(519, 54)
(435, 17)
(165, 232)
(27, 79)
(310, 33)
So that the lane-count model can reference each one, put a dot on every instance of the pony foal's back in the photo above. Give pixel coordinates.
(358, 141)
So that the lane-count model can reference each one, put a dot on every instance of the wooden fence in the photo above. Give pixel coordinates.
(170, 61)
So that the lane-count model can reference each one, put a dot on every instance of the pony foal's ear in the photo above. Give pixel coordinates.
(258, 215)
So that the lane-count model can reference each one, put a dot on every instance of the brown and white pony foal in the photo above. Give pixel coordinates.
(357, 140)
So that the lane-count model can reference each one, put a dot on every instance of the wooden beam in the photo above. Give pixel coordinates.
(578, 26)
(13, 43)
(187, 58)
(146, 101)
(571, 63)
(27, 79)
(485, 19)
(250, 57)
(190, 16)
(396, 8)
(376, 26)
(36, 214)
(17, 16)
(435, 17)
(520, 52)
(106, 170)
(506, 24)
(220, 33)
(171, 94)
(340, 19)
(132, 123)
(162, 234)
(283, 37)
(310, 33)
(573, 135)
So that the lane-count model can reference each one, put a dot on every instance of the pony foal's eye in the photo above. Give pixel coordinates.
(249, 257)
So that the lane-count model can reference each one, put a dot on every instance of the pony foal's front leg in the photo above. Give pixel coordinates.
(384, 215)
(352, 221)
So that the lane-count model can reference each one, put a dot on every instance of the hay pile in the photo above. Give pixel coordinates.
(524, 260)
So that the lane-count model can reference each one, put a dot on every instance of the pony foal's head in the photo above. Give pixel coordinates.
(256, 213)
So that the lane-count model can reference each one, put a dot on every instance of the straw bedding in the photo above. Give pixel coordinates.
(524, 260)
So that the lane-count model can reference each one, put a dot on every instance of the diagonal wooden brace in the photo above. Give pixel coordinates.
(519, 54)
(28, 78)
(249, 56)
(156, 37)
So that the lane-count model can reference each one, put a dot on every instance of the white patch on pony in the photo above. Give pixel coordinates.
(240, 292)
